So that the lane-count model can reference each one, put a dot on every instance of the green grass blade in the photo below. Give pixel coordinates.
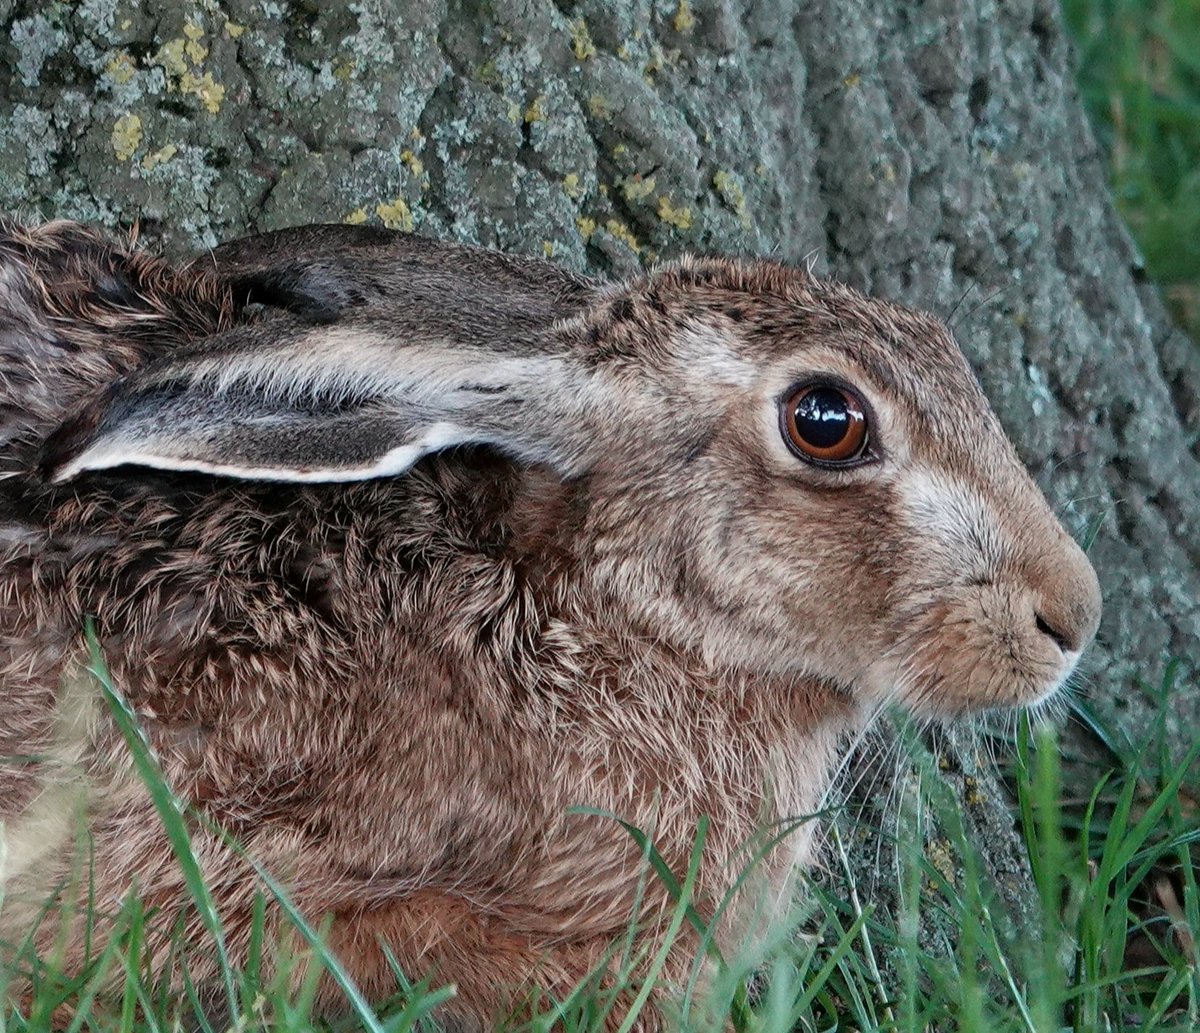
(170, 813)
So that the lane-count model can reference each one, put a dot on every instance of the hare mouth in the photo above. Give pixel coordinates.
(960, 655)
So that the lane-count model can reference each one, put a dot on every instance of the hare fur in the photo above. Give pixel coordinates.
(402, 549)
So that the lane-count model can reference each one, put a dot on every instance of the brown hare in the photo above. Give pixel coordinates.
(401, 549)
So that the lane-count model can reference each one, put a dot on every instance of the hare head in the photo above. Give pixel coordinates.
(775, 471)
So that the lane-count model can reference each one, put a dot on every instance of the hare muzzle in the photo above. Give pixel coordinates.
(1007, 600)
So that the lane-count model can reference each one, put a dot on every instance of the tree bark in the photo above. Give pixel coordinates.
(932, 152)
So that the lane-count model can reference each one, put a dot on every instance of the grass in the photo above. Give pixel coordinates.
(1111, 945)
(1139, 73)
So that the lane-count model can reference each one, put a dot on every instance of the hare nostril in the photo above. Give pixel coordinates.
(1062, 641)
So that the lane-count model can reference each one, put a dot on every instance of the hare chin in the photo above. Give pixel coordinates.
(948, 700)
(946, 704)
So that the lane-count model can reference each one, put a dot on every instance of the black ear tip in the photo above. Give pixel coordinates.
(74, 434)
(62, 446)
(315, 294)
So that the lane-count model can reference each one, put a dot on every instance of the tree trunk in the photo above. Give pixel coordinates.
(933, 152)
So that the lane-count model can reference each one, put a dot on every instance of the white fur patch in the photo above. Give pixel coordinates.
(1070, 662)
(950, 512)
(710, 356)
(348, 363)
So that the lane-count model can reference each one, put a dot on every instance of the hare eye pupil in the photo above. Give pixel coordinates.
(826, 424)
(823, 417)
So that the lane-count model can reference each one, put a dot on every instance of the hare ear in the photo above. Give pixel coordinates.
(289, 401)
(308, 270)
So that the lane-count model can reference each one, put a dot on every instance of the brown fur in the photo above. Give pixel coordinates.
(392, 692)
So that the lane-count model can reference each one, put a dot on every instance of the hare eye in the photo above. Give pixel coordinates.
(825, 424)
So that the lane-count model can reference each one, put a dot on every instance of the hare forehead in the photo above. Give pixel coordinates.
(928, 387)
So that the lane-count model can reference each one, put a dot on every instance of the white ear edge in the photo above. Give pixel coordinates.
(399, 460)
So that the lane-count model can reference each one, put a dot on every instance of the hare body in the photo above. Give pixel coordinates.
(402, 550)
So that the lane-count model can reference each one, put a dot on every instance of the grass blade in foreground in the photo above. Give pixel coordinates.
(169, 810)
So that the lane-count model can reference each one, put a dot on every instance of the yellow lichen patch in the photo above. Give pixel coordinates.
(412, 161)
(489, 74)
(356, 217)
(941, 856)
(585, 226)
(571, 186)
(396, 215)
(731, 192)
(623, 233)
(195, 50)
(685, 21)
(624, 53)
(680, 218)
(535, 112)
(548, 248)
(121, 69)
(655, 63)
(126, 136)
(343, 68)
(233, 30)
(180, 58)
(852, 80)
(599, 106)
(637, 189)
(170, 56)
(973, 797)
(163, 154)
(210, 92)
(581, 40)
(514, 112)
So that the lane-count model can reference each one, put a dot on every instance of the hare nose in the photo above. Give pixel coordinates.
(1067, 609)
